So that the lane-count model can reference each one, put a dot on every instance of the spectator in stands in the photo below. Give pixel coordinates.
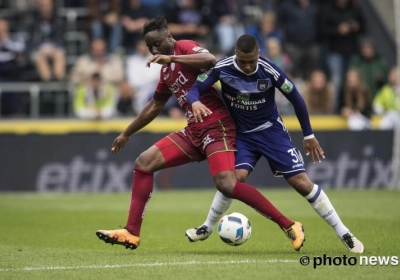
(157, 6)
(298, 20)
(94, 99)
(105, 22)
(186, 21)
(109, 66)
(143, 80)
(126, 101)
(342, 24)
(276, 55)
(134, 15)
(357, 104)
(225, 19)
(10, 53)
(265, 30)
(387, 102)
(46, 38)
(318, 94)
(372, 67)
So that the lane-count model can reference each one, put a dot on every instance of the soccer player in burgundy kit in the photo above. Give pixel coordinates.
(248, 88)
(213, 139)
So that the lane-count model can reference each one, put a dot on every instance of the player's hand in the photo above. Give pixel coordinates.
(158, 58)
(313, 149)
(199, 111)
(118, 143)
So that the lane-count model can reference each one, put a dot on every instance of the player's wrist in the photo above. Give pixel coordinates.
(191, 98)
(126, 134)
(311, 136)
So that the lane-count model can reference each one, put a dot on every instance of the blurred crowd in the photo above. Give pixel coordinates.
(322, 44)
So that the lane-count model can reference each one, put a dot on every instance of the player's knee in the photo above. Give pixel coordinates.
(144, 162)
(150, 160)
(301, 183)
(241, 175)
(141, 163)
(225, 182)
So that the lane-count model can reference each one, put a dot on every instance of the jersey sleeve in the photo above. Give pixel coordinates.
(204, 81)
(289, 90)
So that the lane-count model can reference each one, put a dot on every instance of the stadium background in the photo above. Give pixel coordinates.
(44, 147)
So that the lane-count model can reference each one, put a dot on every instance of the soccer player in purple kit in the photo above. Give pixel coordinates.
(212, 140)
(248, 88)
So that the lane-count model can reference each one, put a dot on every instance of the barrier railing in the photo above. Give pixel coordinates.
(34, 89)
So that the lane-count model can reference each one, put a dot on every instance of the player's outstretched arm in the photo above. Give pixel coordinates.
(202, 60)
(310, 143)
(149, 113)
(197, 60)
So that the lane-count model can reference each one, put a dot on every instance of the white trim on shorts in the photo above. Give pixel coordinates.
(279, 173)
(245, 163)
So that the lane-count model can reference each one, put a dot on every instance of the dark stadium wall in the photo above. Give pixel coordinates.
(82, 162)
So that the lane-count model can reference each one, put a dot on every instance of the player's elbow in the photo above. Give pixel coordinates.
(211, 61)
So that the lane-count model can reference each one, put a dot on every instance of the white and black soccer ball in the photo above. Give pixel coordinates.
(234, 229)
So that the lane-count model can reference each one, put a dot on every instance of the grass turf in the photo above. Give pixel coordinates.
(52, 236)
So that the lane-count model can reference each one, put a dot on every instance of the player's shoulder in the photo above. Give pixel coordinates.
(225, 62)
(189, 45)
(182, 43)
(270, 67)
(265, 61)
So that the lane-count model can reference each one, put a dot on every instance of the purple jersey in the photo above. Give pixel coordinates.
(250, 99)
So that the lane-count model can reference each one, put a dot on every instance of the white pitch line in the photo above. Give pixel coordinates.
(141, 265)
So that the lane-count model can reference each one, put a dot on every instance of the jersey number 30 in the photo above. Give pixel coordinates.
(297, 157)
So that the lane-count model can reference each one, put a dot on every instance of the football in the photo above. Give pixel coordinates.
(234, 229)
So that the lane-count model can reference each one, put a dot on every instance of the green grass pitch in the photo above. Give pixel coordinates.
(52, 236)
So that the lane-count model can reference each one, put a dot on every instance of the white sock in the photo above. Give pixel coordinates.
(321, 204)
(219, 205)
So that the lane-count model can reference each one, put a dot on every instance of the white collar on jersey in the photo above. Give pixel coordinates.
(238, 68)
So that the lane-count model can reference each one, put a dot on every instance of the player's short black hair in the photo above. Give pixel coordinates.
(158, 23)
(247, 43)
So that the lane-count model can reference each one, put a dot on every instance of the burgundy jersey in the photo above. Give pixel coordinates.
(178, 79)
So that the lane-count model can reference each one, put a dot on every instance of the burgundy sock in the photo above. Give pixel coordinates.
(142, 188)
(255, 199)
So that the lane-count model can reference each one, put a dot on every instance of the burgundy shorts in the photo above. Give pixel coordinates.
(197, 144)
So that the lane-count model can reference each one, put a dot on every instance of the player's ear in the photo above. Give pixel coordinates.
(169, 36)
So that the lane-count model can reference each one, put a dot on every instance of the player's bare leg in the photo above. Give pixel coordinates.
(145, 165)
(320, 202)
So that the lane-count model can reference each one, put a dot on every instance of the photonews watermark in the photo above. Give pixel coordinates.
(326, 260)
